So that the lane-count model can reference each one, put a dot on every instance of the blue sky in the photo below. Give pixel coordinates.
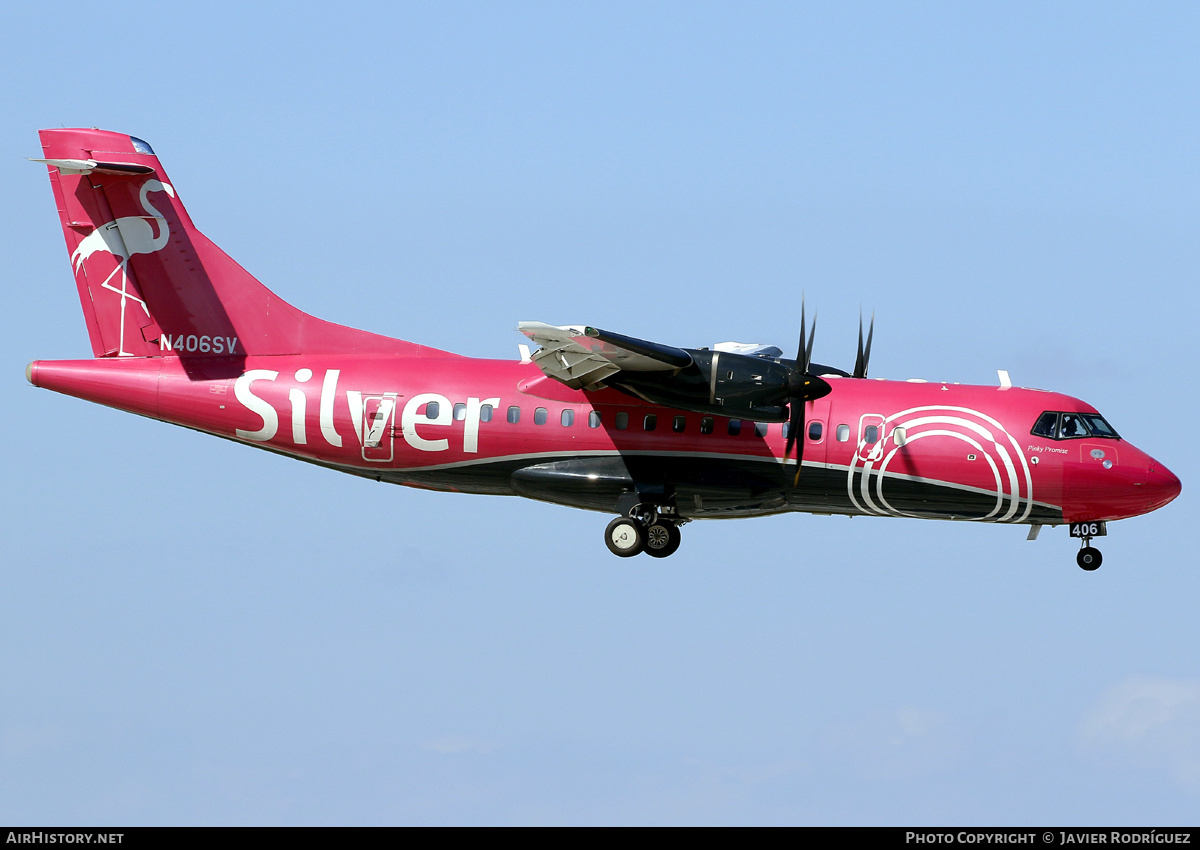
(192, 631)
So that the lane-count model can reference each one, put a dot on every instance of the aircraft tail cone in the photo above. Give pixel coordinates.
(130, 384)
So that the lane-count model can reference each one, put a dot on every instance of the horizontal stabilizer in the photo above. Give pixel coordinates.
(87, 166)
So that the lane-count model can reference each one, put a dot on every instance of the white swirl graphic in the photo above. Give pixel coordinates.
(987, 437)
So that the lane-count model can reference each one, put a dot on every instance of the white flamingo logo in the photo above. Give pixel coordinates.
(124, 237)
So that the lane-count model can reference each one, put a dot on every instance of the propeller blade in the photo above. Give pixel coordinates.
(795, 424)
(870, 336)
(802, 388)
(811, 336)
(801, 363)
(864, 354)
(858, 360)
(796, 429)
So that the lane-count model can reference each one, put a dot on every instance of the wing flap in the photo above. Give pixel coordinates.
(569, 354)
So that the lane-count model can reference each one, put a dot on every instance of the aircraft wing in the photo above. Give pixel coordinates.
(748, 383)
(583, 357)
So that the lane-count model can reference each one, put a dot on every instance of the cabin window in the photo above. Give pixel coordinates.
(678, 424)
(871, 434)
(843, 433)
(485, 413)
(622, 421)
(814, 431)
(760, 429)
(539, 416)
(568, 418)
(899, 435)
(706, 425)
(594, 419)
(460, 412)
(735, 427)
(514, 415)
(650, 422)
(432, 409)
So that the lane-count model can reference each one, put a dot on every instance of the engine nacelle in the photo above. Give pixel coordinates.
(719, 383)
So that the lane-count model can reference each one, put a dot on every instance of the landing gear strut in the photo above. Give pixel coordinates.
(649, 529)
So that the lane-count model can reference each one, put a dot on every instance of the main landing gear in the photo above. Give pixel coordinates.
(645, 529)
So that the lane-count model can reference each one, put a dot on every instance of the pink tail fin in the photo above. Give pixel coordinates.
(150, 283)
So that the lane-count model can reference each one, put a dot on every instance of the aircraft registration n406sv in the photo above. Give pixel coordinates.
(653, 434)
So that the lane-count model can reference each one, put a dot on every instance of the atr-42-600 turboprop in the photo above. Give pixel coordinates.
(654, 434)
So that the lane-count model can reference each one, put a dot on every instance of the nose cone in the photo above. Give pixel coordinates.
(1134, 485)
(1161, 486)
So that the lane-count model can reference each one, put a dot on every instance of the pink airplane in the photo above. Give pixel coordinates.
(653, 434)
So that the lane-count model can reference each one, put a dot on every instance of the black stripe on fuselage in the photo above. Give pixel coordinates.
(712, 486)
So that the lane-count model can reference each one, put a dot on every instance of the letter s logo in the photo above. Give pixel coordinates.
(241, 389)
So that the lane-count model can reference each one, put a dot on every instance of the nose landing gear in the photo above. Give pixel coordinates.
(648, 529)
(1089, 558)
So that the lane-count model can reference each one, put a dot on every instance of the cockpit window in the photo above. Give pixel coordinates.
(1072, 426)
(1047, 425)
(1099, 427)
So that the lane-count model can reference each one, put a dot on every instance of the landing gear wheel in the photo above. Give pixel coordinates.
(1089, 558)
(624, 537)
(662, 539)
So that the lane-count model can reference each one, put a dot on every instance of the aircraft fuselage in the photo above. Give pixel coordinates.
(874, 447)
